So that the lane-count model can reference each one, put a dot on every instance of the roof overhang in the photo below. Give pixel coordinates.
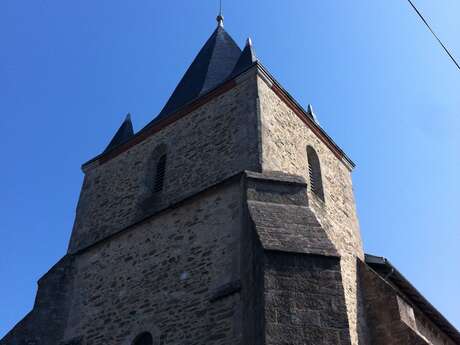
(388, 272)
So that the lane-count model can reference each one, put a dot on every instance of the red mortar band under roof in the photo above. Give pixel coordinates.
(389, 273)
(156, 126)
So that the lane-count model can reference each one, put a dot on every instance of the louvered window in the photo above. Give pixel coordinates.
(314, 172)
(160, 174)
(312, 177)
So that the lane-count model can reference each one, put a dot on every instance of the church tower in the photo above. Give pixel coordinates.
(228, 219)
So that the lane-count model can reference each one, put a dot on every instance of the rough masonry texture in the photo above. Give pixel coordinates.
(236, 247)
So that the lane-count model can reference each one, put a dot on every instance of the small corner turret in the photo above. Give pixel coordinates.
(123, 134)
(246, 60)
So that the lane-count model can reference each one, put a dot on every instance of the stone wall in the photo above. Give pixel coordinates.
(200, 272)
(284, 148)
(303, 294)
(175, 275)
(247, 127)
(279, 209)
(285, 138)
(45, 323)
(214, 258)
(429, 330)
(203, 147)
(304, 300)
(392, 318)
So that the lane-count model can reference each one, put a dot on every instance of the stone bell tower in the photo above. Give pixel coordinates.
(228, 219)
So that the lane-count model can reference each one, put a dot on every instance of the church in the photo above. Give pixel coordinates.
(228, 219)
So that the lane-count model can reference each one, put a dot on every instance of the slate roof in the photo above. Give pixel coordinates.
(219, 60)
(124, 133)
(211, 67)
(246, 59)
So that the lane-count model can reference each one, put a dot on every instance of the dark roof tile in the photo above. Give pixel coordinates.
(124, 133)
(212, 66)
(246, 59)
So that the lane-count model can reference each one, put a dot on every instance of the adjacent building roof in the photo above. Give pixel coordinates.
(388, 272)
(211, 67)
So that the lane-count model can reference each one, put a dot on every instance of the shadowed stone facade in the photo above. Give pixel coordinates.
(284, 146)
(236, 247)
(204, 147)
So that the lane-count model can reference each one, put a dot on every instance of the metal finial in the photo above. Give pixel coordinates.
(220, 17)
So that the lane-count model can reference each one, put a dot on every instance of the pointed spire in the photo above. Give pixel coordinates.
(311, 113)
(124, 133)
(251, 49)
(210, 68)
(220, 17)
(246, 59)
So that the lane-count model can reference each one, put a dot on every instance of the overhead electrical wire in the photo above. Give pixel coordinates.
(434, 34)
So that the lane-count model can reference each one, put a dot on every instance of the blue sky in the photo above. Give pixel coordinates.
(380, 84)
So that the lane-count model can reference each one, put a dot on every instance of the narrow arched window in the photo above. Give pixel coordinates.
(160, 174)
(314, 171)
(143, 339)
